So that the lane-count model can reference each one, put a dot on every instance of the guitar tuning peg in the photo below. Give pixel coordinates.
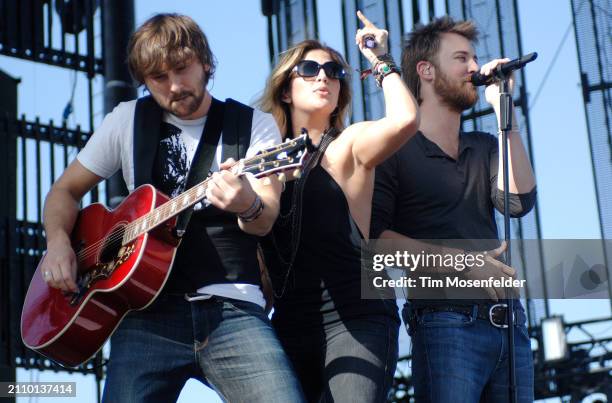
(266, 181)
(297, 173)
(282, 177)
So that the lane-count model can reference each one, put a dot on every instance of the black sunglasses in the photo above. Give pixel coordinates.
(310, 68)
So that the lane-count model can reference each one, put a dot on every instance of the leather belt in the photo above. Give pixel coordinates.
(494, 313)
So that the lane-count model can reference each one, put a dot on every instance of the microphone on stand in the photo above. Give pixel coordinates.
(502, 70)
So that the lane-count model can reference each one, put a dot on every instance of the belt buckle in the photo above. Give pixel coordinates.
(491, 313)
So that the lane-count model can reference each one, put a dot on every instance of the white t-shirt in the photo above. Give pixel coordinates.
(110, 148)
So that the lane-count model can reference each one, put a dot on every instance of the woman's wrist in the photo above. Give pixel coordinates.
(383, 66)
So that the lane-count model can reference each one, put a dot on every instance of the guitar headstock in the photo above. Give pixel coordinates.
(285, 160)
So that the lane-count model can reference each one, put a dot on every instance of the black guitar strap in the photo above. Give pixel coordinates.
(236, 129)
(203, 158)
(232, 118)
(235, 120)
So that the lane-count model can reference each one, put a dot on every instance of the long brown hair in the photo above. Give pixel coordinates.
(278, 83)
(167, 40)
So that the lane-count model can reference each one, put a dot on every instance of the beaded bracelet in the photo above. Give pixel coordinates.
(253, 212)
(386, 58)
(383, 69)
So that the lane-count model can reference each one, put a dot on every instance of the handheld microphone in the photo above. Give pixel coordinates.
(502, 71)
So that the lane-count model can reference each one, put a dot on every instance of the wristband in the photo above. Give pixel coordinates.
(253, 212)
(383, 69)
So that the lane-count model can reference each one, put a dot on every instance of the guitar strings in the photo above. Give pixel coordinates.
(92, 249)
(163, 209)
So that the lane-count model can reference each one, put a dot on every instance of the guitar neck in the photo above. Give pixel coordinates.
(273, 160)
(169, 209)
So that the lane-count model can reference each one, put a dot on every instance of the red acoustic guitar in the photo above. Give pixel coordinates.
(124, 259)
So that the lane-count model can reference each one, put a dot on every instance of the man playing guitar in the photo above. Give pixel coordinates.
(208, 322)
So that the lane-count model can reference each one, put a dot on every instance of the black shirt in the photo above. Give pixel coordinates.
(324, 284)
(423, 193)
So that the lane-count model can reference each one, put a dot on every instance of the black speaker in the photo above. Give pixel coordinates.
(73, 14)
(22, 25)
(270, 7)
(8, 100)
(8, 161)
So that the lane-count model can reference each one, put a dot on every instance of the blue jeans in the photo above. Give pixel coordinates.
(349, 361)
(458, 358)
(227, 344)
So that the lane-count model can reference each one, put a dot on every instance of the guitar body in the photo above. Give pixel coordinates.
(114, 279)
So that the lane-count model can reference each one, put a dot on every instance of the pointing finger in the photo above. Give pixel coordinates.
(364, 20)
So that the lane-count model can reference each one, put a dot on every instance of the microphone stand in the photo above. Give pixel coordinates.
(505, 125)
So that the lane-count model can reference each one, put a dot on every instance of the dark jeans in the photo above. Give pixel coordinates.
(227, 344)
(350, 361)
(457, 358)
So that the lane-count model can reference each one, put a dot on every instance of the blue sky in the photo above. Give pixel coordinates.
(237, 33)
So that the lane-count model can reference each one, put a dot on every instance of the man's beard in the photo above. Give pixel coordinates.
(190, 103)
(458, 95)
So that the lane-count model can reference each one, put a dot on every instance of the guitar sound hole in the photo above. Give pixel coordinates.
(112, 244)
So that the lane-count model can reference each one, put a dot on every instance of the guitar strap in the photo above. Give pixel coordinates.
(294, 217)
(232, 118)
(236, 129)
(203, 157)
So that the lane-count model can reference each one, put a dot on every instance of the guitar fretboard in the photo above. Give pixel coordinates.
(164, 212)
(169, 209)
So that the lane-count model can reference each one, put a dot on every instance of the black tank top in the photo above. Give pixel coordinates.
(324, 284)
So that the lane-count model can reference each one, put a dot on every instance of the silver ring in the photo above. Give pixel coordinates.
(47, 274)
(370, 41)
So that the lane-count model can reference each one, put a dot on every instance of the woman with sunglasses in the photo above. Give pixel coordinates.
(343, 347)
